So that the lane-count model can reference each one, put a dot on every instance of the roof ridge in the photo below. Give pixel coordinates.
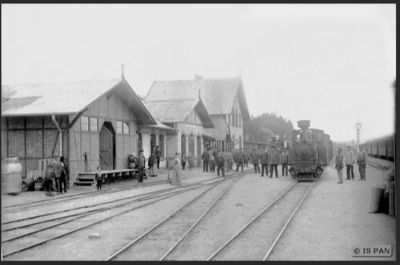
(170, 100)
(191, 80)
(50, 83)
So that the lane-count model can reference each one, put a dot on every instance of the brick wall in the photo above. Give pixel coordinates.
(31, 139)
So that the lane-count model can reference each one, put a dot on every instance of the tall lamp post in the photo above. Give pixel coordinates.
(358, 128)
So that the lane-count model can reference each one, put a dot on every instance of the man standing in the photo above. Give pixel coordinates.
(273, 161)
(142, 164)
(220, 163)
(239, 159)
(246, 158)
(255, 160)
(64, 176)
(205, 157)
(58, 171)
(157, 154)
(362, 162)
(339, 165)
(349, 160)
(229, 158)
(284, 161)
(264, 162)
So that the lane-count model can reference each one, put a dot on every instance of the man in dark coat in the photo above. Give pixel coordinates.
(157, 154)
(264, 162)
(284, 161)
(141, 164)
(273, 161)
(239, 159)
(255, 159)
(205, 157)
(219, 160)
(58, 171)
(339, 165)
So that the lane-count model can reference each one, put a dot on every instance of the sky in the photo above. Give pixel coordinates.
(332, 64)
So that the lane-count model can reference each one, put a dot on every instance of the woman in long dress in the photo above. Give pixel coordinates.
(176, 179)
(153, 172)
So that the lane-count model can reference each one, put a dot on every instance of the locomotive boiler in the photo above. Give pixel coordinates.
(308, 153)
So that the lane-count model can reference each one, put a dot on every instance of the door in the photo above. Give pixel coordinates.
(106, 149)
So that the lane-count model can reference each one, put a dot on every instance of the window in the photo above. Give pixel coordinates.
(161, 144)
(126, 128)
(119, 126)
(198, 146)
(84, 123)
(183, 144)
(139, 141)
(191, 145)
(152, 141)
(236, 118)
(93, 124)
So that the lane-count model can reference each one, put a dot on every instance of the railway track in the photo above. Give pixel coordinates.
(257, 239)
(105, 213)
(40, 203)
(376, 165)
(174, 227)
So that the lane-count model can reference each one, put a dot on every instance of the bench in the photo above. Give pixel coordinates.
(88, 178)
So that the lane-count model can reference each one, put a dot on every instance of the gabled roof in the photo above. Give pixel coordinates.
(177, 110)
(67, 98)
(218, 94)
(161, 126)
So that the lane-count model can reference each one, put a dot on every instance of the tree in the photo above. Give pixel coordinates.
(262, 127)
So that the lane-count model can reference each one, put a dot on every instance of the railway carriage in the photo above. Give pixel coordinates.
(383, 147)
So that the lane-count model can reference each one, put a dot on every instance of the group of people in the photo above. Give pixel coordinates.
(349, 160)
(223, 161)
(153, 163)
(56, 177)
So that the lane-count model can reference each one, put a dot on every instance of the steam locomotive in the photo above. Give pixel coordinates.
(310, 152)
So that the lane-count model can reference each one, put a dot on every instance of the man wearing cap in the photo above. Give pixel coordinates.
(264, 162)
(273, 161)
(220, 163)
(239, 159)
(205, 157)
(349, 159)
(362, 162)
(284, 161)
(339, 165)
(255, 159)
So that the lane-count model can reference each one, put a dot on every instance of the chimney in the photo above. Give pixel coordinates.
(198, 77)
(122, 75)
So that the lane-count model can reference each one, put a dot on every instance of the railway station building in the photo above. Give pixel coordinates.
(224, 101)
(90, 123)
(187, 119)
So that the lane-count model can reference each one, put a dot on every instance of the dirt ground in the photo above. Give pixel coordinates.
(333, 219)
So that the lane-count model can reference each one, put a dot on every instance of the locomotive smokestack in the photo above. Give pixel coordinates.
(303, 124)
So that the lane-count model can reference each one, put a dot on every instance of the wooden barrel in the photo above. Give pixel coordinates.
(376, 199)
(11, 178)
(28, 184)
